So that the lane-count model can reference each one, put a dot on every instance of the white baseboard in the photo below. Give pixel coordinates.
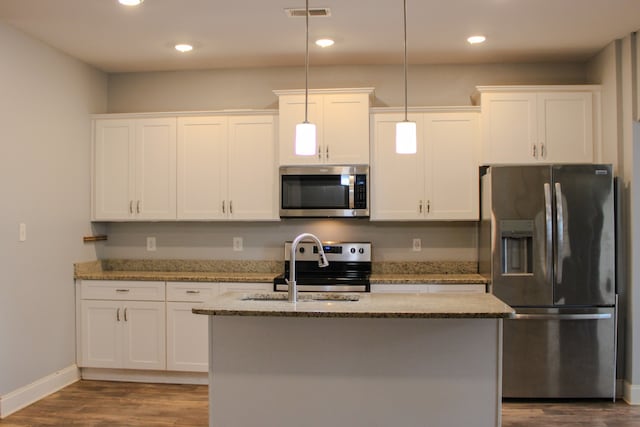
(631, 393)
(25, 396)
(144, 376)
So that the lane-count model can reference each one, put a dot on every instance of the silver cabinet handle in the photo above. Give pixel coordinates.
(138, 206)
(230, 206)
(122, 290)
(593, 316)
(193, 292)
(534, 151)
(118, 314)
(542, 153)
(223, 207)
(319, 152)
(125, 314)
(560, 231)
(420, 206)
(327, 152)
(131, 207)
(428, 206)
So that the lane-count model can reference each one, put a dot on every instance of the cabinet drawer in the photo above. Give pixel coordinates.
(122, 290)
(245, 287)
(458, 288)
(190, 291)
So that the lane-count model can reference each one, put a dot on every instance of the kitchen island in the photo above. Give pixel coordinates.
(385, 359)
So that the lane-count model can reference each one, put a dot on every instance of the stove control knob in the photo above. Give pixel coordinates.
(361, 250)
(353, 250)
(301, 250)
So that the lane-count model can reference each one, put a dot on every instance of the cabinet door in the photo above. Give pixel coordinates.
(202, 168)
(253, 190)
(156, 168)
(509, 128)
(187, 338)
(101, 334)
(451, 166)
(565, 127)
(346, 128)
(144, 337)
(291, 112)
(397, 179)
(113, 169)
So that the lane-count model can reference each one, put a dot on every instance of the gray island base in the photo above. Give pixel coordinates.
(434, 360)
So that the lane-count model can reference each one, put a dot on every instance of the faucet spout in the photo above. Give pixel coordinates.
(322, 262)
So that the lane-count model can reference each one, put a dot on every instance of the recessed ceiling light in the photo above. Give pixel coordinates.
(324, 42)
(476, 39)
(130, 2)
(184, 47)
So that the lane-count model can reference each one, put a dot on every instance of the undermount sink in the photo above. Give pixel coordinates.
(302, 297)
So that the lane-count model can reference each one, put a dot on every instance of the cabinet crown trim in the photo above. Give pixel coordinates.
(437, 109)
(225, 112)
(368, 90)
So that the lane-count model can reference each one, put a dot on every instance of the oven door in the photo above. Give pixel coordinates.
(323, 191)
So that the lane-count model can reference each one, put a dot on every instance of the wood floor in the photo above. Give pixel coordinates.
(100, 403)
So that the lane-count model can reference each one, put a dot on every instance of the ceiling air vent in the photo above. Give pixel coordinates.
(315, 12)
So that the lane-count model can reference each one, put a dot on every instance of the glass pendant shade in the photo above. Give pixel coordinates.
(406, 137)
(305, 139)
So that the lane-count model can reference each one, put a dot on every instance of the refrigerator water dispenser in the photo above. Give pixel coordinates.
(516, 238)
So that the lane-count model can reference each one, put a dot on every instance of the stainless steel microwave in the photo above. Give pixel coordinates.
(324, 191)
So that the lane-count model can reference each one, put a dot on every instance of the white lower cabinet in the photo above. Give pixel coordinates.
(187, 333)
(141, 325)
(419, 288)
(118, 329)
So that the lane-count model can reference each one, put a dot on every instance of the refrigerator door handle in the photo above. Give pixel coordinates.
(592, 316)
(548, 232)
(560, 231)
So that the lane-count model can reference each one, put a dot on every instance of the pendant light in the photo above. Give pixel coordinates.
(305, 131)
(405, 130)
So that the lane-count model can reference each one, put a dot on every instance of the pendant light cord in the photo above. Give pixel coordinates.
(306, 65)
(405, 60)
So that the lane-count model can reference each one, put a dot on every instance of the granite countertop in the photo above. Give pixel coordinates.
(264, 271)
(450, 306)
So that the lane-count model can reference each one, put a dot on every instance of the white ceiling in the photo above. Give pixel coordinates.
(257, 33)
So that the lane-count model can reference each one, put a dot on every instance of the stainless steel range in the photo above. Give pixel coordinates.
(349, 267)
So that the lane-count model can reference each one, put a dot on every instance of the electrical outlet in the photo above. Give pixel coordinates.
(151, 244)
(237, 244)
(417, 245)
(23, 232)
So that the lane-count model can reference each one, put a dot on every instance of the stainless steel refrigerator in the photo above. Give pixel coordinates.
(547, 243)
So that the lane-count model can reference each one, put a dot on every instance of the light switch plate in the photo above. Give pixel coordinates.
(417, 245)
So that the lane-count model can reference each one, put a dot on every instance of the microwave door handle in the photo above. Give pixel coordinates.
(352, 191)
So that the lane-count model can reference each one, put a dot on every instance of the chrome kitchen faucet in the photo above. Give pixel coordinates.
(322, 262)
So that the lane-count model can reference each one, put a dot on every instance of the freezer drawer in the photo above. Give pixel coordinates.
(559, 353)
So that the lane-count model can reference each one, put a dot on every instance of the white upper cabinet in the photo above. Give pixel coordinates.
(341, 117)
(540, 124)
(134, 169)
(227, 168)
(440, 181)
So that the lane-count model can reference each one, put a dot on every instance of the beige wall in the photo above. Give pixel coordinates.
(252, 88)
(46, 99)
